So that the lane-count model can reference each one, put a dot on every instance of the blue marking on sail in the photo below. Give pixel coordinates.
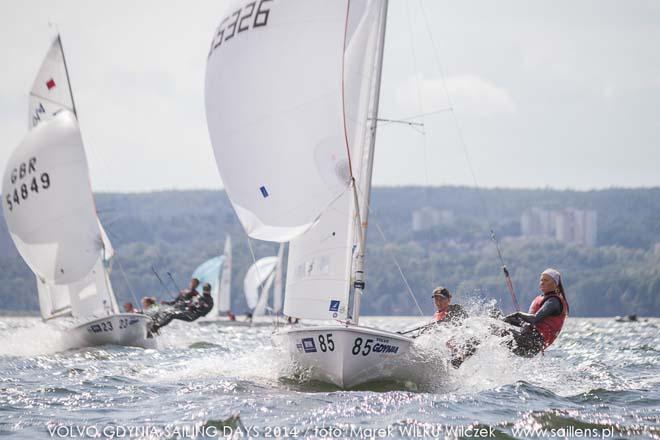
(263, 191)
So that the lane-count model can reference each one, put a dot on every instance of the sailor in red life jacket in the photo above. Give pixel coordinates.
(444, 311)
(547, 313)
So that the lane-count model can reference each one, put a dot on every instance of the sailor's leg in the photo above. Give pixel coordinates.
(526, 343)
(187, 316)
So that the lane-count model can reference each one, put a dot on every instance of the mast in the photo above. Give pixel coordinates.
(362, 212)
(68, 80)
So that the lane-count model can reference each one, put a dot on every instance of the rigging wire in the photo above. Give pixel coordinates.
(409, 288)
(420, 104)
(463, 144)
(128, 284)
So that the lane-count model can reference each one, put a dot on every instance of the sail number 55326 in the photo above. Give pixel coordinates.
(240, 21)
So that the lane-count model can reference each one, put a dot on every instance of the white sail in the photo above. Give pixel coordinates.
(89, 297)
(54, 300)
(275, 112)
(50, 91)
(255, 279)
(48, 203)
(277, 283)
(321, 261)
(224, 299)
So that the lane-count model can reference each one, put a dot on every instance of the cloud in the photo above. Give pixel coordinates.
(469, 93)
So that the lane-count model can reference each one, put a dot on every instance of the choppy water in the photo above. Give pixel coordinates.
(601, 378)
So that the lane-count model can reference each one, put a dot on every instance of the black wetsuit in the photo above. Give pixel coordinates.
(185, 311)
(183, 299)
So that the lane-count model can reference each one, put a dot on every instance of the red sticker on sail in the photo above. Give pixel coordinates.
(50, 84)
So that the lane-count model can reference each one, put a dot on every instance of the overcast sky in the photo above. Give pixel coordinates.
(561, 94)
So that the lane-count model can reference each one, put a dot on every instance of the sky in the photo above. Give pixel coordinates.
(559, 94)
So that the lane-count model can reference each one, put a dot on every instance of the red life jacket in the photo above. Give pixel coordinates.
(550, 326)
(439, 316)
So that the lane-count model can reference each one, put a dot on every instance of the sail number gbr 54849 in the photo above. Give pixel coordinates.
(26, 180)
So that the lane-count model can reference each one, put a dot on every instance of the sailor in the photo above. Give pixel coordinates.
(231, 316)
(185, 310)
(185, 296)
(149, 305)
(128, 308)
(542, 324)
(446, 312)
(205, 303)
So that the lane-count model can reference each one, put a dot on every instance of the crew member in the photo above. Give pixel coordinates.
(446, 312)
(542, 324)
(185, 296)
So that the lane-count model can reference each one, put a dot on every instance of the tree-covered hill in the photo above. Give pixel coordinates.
(176, 230)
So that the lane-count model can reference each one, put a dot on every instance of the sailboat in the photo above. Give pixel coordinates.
(50, 213)
(263, 276)
(217, 272)
(292, 93)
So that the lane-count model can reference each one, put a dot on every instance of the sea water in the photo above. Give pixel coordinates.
(601, 379)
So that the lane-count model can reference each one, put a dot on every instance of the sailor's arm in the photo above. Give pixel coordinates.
(551, 307)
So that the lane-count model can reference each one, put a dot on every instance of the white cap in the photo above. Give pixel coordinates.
(553, 273)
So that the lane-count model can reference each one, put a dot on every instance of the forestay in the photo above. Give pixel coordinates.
(275, 112)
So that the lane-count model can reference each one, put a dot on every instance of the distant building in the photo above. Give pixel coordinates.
(427, 217)
(537, 222)
(566, 225)
(576, 226)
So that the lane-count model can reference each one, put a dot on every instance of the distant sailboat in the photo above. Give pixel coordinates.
(50, 213)
(264, 274)
(217, 272)
(291, 102)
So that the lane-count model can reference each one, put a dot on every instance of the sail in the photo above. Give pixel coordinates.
(48, 203)
(224, 300)
(262, 303)
(51, 91)
(275, 112)
(54, 300)
(89, 297)
(256, 277)
(209, 272)
(321, 260)
(277, 282)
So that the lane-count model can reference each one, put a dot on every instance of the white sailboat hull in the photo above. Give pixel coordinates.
(128, 329)
(345, 356)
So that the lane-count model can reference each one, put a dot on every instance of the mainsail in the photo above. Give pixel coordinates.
(294, 95)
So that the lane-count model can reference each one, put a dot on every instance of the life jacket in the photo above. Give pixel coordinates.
(550, 326)
(439, 316)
